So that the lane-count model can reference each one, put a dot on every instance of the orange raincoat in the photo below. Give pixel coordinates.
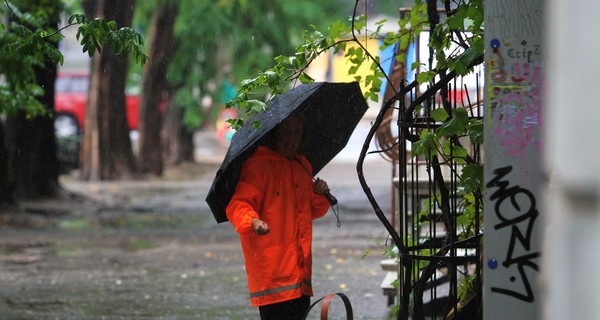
(279, 192)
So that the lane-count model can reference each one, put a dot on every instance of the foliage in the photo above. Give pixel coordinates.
(24, 46)
(219, 42)
(291, 68)
(96, 33)
(463, 28)
(27, 42)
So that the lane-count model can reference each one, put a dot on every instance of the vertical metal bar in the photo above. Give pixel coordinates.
(402, 264)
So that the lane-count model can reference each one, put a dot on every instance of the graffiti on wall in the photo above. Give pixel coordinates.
(515, 95)
(516, 212)
(515, 76)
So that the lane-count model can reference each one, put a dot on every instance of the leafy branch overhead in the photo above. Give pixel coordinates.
(461, 32)
(27, 42)
(94, 34)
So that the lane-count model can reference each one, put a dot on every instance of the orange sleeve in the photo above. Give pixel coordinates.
(246, 201)
(319, 203)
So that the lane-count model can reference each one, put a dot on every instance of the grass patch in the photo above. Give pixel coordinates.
(138, 244)
(75, 224)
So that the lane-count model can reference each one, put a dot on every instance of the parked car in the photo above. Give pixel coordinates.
(70, 101)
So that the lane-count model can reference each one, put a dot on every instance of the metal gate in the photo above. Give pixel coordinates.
(438, 221)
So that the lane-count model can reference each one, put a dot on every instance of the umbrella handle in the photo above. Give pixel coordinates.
(332, 200)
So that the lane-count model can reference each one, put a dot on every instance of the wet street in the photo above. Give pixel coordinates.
(152, 250)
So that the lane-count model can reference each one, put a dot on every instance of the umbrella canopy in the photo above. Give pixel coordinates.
(331, 112)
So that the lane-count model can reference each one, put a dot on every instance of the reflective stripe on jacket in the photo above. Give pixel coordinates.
(279, 192)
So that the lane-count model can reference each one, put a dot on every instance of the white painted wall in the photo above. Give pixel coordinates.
(571, 278)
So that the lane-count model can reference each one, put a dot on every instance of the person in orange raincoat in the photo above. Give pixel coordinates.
(272, 209)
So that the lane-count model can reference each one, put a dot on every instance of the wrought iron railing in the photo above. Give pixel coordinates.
(436, 225)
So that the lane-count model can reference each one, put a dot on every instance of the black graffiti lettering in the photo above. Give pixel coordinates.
(496, 182)
(523, 202)
(528, 296)
(524, 52)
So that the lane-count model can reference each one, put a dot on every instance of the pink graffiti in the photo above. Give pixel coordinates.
(515, 112)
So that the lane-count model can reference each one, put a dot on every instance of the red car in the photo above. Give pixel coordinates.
(71, 99)
(69, 103)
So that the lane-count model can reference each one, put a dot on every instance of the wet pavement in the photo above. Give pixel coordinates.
(151, 249)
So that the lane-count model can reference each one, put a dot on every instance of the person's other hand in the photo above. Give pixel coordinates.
(260, 227)
(320, 186)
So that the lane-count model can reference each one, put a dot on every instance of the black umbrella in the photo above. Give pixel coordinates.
(331, 112)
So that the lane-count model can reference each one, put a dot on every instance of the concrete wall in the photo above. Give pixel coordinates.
(572, 151)
(513, 222)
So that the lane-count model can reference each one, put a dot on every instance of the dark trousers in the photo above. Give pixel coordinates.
(286, 310)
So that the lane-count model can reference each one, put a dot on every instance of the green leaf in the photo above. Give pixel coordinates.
(256, 124)
(271, 77)
(305, 78)
(425, 146)
(467, 58)
(457, 21)
(476, 131)
(236, 124)
(457, 125)
(256, 106)
(425, 77)
(353, 69)
(471, 178)
(439, 115)
(454, 152)
(415, 65)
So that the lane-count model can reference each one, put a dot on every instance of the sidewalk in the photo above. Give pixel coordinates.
(152, 249)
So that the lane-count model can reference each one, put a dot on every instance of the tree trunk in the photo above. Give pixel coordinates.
(154, 85)
(6, 185)
(32, 146)
(32, 168)
(179, 144)
(106, 151)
